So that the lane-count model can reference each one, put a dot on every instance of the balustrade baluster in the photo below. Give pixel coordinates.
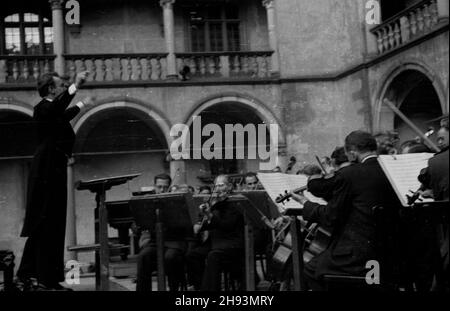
(109, 71)
(434, 13)
(15, 70)
(413, 23)
(36, 69)
(245, 64)
(93, 70)
(391, 37)
(202, 65)
(236, 65)
(158, 69)
(404, 29)
(3, 71)
(420, 20)
(397, 36)
(427, 17)
(25, 70)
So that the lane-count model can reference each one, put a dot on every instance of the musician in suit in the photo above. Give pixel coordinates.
(436, 178)
(251, 181)
(46, 204)
(322, 186)
(175, 248)
(355, 236)
(225, 225)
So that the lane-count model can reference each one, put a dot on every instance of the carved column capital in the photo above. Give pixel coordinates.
(166, 3)
(268, 4)
(56, 4)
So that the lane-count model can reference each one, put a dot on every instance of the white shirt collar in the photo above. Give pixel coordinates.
(369, 157)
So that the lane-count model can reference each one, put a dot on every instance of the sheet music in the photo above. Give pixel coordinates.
(277, 183)
(402, 171)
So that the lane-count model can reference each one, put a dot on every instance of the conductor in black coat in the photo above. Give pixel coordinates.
(46, 204)
(355, 237)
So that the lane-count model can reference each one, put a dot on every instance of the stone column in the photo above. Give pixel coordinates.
(273, 38)
(58, 34)
(169, 35)
(71, 225)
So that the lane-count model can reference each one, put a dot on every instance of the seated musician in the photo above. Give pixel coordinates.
(323, 185)
(251, 181)
(224, 224)
(435, 179)
(350, 212)
(175, 248)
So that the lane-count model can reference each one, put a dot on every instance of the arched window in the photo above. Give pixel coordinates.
(26, 34)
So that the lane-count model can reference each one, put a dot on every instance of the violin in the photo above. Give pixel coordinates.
(287, 195)
(212, 200)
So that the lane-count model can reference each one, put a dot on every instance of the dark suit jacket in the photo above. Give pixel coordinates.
(226, 229)
(358, 189)
(47, 184)
(435, 176)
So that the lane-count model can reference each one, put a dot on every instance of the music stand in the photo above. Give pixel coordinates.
(254, 218)
(159, 213)
(99, 187)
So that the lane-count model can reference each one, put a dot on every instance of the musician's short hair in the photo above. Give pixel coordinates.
(361, 141)
(251, 174)
(46, 81)
(339, 156)
(414, 147)
(227, 178)
(203, 188)
(162, 177)
(311, 169)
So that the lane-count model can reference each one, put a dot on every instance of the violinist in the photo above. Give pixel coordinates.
(225, 226)
(322, 185)
(350, 212)
(435, 179)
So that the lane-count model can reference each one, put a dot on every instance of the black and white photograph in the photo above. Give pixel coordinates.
(224, 151)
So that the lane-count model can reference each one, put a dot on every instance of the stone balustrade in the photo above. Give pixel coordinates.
(252, 64)
(118, 67)
(24, 68)
(123, 68)
(416, 21)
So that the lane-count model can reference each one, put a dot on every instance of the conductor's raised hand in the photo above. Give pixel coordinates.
(81, 78)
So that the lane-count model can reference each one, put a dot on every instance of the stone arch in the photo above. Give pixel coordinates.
(18, 108)
(108, 104)
(255, 105)
(413, 65)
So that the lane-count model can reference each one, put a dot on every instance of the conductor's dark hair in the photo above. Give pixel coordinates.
(339, 155)
(360, 141)
(162, 177)
(45, 82)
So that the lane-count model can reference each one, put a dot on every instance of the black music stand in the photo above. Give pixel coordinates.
(159, 213)
(99, 187)
(256, 213)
